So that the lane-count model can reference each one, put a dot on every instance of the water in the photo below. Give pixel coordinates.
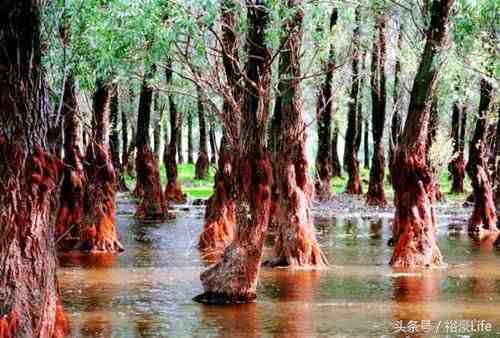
(147, 291)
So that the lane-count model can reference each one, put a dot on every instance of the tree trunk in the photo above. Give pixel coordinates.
(376, 195)
(157, 127)
(431, 138)
(152, 205)
(336, 167)
(201, 172)
(98, 232)
(483, 219)
(213, 144)
(396, 120)
(234, 278)
(29, 177)
(114, 140)
(180, 152)
(350, 156)
(414, 223)
(366, 143)
(457, 165)
(190, 138)
(173, 191)
(324, 103)
(220, 217)
(296, 244)
(70, 212)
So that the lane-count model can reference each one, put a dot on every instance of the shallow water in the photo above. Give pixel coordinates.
(147, 291)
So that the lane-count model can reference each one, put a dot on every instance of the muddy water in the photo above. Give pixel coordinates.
(147, 291)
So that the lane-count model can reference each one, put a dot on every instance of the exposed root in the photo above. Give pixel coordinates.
(152, 205)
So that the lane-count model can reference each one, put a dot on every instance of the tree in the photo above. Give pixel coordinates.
(190, 138)
(114, 141)
(376, 195)
(152, 205)
(213, 142)
(457, 165)
(296, 243)
(483, 219)
(396, 120)
(29, 177)
(351, 163)
(98, 231)
(336, 167)
(173, 191)
(324, 117)
(202, 161)
(234, 278)
(414, 224)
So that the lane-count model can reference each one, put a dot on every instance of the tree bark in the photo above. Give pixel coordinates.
(220, 217)
(296, 244)
(483, 219)
(98, 232)
(70, 212)
(324, 104)
(114, 140)
(157, 127)
(29, 177)
(173, 191)
(376, 195)
(190, 138)
(152, 205)
(201, 172)
(414, 223)
(366, 144)
(234, 278)
(180, 152)
(457, 165)
(350, 156)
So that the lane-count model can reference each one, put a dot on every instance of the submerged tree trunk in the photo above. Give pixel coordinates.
(234, 278)
(152, 205)
(173, 191)
(457, 165)
(414, 225)
(295, 244)
(29, 177)
(220, 217)
(351, 163)
(483, 219)
(324, 117)
(336, 167)
(190, 138)
(201, 172)
(98, 232)
(70, 213)
(376, 195)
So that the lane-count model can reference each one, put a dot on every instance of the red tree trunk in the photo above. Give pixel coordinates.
(457, 165)
(220, 217)
(98, 231)
(173, 191)
(351, 163)
(483, 219)
(29, 177)
(201, 172)
(414, 223)
(70, 212)
(324, 169)
(234, 278)
(152, 205)
(296, 244)
(376, 195)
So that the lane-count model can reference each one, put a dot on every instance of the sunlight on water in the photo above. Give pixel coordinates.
(147, 291)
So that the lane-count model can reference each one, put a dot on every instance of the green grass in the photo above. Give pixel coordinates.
(204, 188)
